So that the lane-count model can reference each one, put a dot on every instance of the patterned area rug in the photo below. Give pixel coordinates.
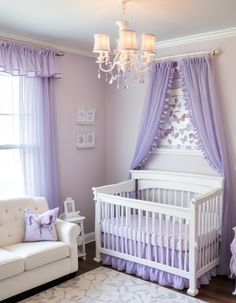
(104, 285)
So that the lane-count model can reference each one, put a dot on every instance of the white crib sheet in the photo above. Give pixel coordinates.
(174, 237)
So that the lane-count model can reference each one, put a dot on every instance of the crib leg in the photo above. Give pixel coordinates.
(192, 291)
(98, 256)
(98, 231)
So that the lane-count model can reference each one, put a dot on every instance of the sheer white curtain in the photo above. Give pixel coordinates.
(11, 175)
(37, 138)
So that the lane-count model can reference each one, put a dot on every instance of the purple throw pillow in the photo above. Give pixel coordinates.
(40, 227)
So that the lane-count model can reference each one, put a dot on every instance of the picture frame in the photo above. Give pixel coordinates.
(81, 140)
(81, 116)
(69, 208)
(85, 139)
(86, 115)
(90, 116)
(90, 140)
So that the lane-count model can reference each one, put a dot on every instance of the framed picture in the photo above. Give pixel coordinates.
(69, 207)
(90, 116)
(86, 116)
(90, 140)
(81, 140)
(81, 116)
(86, 139)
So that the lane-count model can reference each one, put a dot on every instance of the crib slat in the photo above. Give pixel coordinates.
(148, 235)
(131, 230)
(180, 243)
(139, 233)
(186, 227)
(164, 195)
(175, 197)
(153, 195)
(173, 244)
(200, 236)
(117, 227)
(108, 225)
(187, 202)
(167, 218)
(112, 221)
(126, 230)
(182, 198)
(208, 230)
(153, 242)
(135, 233)
(122, 229)
(211, 226)
(104, 222)
(205, 230)
(159, 195)
(215, 228)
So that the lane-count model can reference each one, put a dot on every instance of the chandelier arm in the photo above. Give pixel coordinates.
(140, 70)
(112, 67)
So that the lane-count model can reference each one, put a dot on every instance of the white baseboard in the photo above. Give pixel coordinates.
(89, 237)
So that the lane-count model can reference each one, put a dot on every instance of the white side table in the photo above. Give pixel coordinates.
(81, 238)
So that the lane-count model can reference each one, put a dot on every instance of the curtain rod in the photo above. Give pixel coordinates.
(57, 52)
(213, 52)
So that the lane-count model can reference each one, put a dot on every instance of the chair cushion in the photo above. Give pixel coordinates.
(10, 265)
(36, 254)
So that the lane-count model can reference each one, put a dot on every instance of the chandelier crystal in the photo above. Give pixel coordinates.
(126, 61)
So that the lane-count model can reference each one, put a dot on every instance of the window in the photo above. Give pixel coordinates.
(11, 172)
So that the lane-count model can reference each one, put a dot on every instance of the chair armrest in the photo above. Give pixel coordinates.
(68, 232)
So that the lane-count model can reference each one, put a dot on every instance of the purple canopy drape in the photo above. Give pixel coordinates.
(155, 110)
(38, 70)
(201, 95)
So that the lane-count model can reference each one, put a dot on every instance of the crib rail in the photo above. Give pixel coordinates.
(122, 188)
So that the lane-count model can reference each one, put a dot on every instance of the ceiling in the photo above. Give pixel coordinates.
(72, 23)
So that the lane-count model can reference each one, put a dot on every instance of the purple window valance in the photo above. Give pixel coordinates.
(21, 60)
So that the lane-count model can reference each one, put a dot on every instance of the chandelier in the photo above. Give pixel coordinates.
(126, 61)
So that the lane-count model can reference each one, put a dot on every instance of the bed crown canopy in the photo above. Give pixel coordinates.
(200, 93)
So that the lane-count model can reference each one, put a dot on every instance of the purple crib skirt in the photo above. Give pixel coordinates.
(153, 253)
(153, 274)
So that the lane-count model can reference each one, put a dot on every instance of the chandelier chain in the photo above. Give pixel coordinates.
(123, 9)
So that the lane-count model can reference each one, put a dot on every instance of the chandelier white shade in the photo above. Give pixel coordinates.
(126, 60)
(101, 43)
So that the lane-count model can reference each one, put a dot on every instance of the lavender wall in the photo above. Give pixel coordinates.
(118, 117)
(82, 169)
(124, 107)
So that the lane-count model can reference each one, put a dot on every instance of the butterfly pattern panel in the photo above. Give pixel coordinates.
(177, 132)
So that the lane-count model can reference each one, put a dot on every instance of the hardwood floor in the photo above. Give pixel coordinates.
(218, 291)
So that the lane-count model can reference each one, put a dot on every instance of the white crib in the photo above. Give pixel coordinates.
(174, 217)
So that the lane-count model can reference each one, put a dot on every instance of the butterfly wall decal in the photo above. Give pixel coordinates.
(179, 119)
